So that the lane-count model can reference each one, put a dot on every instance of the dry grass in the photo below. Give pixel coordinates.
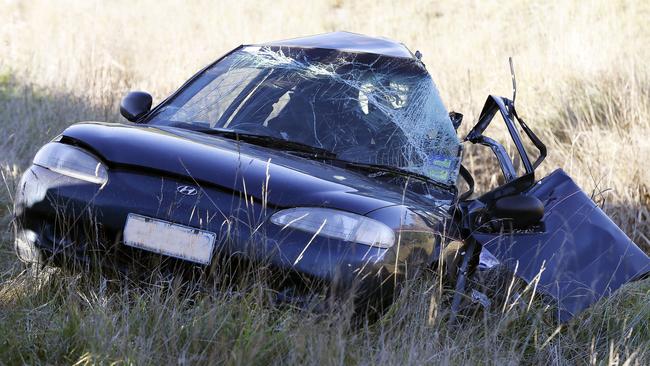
(584, 85)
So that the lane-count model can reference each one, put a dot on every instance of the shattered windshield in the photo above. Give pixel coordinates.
(365, 108)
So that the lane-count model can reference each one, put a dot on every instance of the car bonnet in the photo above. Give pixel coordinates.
(265, 174)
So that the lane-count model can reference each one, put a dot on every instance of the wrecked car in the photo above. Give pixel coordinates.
(331, 159)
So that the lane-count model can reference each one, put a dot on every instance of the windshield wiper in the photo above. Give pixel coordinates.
(308, 151)
(396, 171)
(265, 140)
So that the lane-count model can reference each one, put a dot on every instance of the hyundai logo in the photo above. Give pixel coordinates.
(187, 190)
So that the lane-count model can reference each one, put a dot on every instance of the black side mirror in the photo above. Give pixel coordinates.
(135, 105)
(519, 210)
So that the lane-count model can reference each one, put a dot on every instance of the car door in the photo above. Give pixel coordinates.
(548, 230)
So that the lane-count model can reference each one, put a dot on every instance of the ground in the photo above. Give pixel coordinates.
(583, 84)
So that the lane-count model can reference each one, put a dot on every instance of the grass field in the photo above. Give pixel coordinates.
(583, 84)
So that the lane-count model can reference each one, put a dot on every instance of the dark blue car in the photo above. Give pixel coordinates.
(330, 160)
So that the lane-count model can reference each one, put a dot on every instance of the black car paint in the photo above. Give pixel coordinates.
(575, 254)
(578, 255)
(237, 166)
(148, 164)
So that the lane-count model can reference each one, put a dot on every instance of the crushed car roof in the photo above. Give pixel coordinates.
(347, 42)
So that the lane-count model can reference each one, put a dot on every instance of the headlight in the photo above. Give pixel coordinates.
(71, 161)
(336, 224)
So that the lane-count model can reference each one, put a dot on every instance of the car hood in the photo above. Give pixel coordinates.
(279, 178)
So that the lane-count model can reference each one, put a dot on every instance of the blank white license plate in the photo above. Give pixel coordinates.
(170, 239)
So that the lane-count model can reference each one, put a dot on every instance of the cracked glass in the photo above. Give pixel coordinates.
(365, 108)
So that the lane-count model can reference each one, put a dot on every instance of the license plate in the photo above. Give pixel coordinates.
(170, 239)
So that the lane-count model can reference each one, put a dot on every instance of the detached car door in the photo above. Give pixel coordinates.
(548, 230)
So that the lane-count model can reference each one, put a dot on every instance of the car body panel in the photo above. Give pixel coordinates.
(284, 180)
(578, 256)
(68, 214)
(348, 42)
(574, 254)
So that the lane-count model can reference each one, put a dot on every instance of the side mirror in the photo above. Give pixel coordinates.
(519, 210)
(135, 105)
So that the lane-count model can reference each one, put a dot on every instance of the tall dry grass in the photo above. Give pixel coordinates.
(583, 84)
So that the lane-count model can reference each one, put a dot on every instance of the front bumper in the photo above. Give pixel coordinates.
(63, 218)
